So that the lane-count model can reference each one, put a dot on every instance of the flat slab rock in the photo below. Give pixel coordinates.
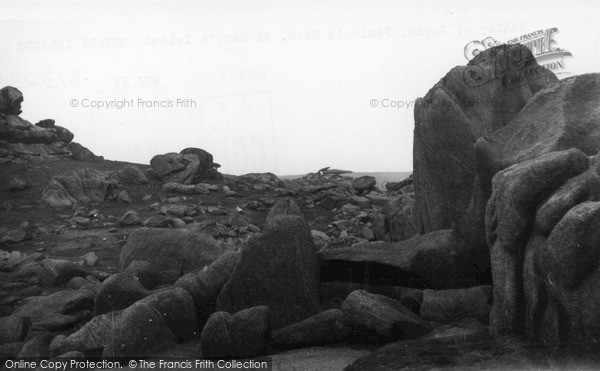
(439, 259)
(396, 254)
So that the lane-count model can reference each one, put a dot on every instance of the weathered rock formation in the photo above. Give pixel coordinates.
(530, 210)
(527, 188)
(20, 138)
(263, 178)
(537, 218)
(239, 335)
(541, 224)
(171, 253)
(190, 166)
(386, 317)
(10, 101)
(278, 269)
(44, 140)
(82, 186)
(81, 153)
(469, 102)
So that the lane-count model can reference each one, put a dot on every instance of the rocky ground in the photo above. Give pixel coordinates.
(57, 260)
(486, 259)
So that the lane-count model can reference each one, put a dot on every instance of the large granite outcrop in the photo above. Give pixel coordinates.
(506, 156)
(20, 139)
(469, 102)
(190, 166)
(536, 194)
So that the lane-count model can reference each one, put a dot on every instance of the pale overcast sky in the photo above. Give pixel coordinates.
(276, 86)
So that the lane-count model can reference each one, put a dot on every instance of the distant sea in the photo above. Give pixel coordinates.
(381, 177)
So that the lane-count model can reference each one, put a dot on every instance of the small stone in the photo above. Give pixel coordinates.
(81, 220)
(364, 183)
(177, 223)
(367, 233)
(93, 213)
(177, 211)
(154, 206)
(130, 218)
(157, 221)
(216, 211)
(123, 197)
(174, 200)
(90, 259)
(17, 184)
(253, 205)
(252, 228)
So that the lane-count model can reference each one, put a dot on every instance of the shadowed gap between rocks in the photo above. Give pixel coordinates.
(378, 274)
